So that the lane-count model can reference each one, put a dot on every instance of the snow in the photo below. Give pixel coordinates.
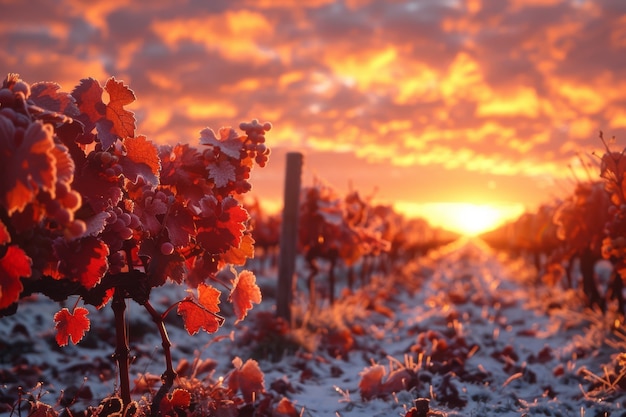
(479, 332)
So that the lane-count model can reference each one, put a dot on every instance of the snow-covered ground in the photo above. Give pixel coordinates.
(471, 330)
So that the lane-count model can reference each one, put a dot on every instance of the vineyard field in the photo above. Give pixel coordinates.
(466, 327)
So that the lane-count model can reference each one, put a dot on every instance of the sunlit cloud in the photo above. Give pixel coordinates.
(235, 34)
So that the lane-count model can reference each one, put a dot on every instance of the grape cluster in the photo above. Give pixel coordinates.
(119, 227)
(60, 214)
(255, 141)
(14, 91)
(13, 96)
(156, 202)
(62, 209)
(107, 165)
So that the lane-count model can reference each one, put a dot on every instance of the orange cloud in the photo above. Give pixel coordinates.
(235, 34)
(522, 101)
(94, 12)
(366, 68)
(464, 80)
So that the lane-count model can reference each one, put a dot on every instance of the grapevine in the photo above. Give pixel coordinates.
(589, 225)
(334, 229)
(91, 210)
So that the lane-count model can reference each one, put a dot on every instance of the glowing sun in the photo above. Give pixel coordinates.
(468, 219)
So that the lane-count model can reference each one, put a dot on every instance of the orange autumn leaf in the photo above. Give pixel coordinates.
(141, 160)
(209, 297)
(371, 384)
(119, 96)
(245, 292)
(247, 378)
(285, 408)
(178, 399)
(201, 313)
(245, 251)
(71, 325)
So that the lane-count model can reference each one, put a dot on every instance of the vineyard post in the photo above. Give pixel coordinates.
(289, 235)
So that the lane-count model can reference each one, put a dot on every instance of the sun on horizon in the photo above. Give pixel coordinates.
(467, 219)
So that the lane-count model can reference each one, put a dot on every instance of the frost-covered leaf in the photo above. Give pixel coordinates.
(48, 96)
(222, 173)
(229, 142)
(96, 223)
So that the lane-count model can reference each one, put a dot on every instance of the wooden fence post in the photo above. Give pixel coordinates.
(289, 235)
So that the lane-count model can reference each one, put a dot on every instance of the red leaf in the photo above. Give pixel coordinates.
(111, 120)
(203, 312)
(14, 265)
(71, 325)
(141, 160)
(223, 224)
(201, 267)
(183, 168)
(245, 292)
(83, 260)
(249, 379)
(179, 398)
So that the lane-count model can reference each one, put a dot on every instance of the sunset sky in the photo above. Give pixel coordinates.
(427, 104)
